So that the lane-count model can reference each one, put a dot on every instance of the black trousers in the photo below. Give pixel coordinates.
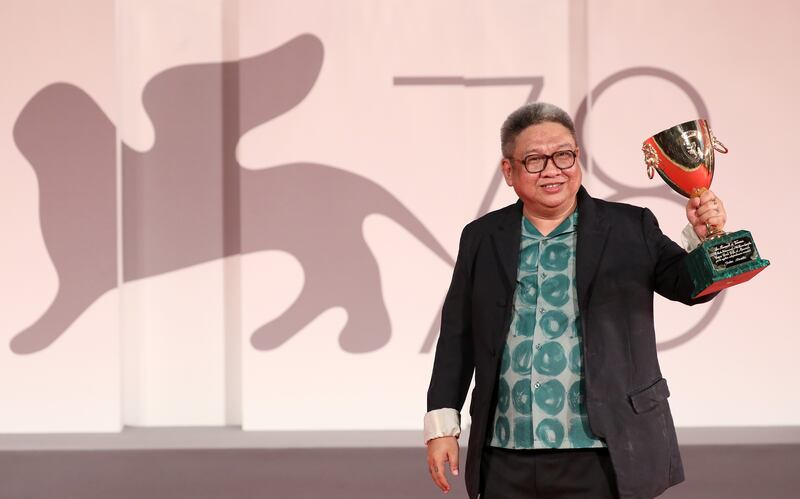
(547, 474)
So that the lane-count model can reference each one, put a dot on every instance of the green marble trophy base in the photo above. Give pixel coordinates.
(724, 261)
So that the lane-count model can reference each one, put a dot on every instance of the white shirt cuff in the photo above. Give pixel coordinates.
(689, 239)
(442, 423)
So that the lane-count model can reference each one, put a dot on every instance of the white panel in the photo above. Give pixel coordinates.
(174, 322)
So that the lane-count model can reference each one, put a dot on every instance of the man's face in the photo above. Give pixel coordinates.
(551, 192)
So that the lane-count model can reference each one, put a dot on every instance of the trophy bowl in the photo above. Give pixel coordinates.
(683, 156)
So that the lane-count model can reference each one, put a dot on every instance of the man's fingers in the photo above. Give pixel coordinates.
(700, 230)
(711, 211)
(713, 216)
(442, 454)
(437, 467)
(710, 207)
(452, 458)
(440, 478)
(707, 196)
(691, 210)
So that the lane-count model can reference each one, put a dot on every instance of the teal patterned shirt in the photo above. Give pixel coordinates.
(540, 391)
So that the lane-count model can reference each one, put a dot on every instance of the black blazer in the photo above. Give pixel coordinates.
(622, 258)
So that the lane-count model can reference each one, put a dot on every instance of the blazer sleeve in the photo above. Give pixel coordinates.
(672, 279)
(454, 360)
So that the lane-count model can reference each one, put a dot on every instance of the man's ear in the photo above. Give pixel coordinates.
(505, 167)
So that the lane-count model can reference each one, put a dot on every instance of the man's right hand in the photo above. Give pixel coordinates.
(442, 451)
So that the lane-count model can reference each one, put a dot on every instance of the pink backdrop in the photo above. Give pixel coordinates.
(246, 212)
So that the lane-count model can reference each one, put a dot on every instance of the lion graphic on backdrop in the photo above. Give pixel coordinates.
(187, 200)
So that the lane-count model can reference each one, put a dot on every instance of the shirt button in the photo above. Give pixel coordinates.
(544, 276)
(536, 385)
(541, 310)
(538, 346)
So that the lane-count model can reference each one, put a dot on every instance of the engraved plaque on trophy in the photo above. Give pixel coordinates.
(683, 156)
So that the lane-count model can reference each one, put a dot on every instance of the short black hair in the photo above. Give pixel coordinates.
(529, 115)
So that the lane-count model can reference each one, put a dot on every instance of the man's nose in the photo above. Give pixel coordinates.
(550, 168)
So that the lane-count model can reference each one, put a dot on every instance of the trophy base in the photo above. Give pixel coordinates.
(724, 261)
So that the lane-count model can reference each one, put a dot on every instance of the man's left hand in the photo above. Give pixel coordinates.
(706, 209)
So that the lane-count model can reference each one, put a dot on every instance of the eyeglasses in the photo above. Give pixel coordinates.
(535, 163)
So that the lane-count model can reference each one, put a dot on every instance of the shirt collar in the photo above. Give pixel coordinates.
(569, 224)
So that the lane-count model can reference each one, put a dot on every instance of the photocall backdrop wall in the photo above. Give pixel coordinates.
(246, 212)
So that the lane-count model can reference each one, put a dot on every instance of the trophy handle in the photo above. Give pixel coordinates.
(650, 159)
(716, 144)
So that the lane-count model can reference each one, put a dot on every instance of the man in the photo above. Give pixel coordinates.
(551, 307)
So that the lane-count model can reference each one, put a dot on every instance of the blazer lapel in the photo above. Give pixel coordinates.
(592, 235)
(505, 241)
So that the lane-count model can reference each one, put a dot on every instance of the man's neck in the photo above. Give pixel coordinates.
(546, 222)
